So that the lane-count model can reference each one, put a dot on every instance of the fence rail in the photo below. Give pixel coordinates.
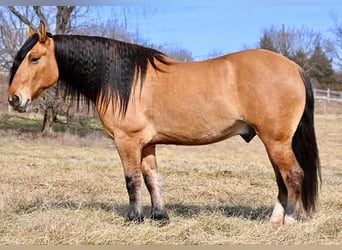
(328, 96)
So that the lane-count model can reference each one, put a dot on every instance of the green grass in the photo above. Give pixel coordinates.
(16, 122)
(34, 123)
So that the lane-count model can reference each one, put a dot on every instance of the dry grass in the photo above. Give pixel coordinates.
(71, 190)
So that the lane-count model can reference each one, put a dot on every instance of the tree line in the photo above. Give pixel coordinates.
(304, 46)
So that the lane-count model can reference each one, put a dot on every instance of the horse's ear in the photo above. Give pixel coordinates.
(30, 31)
(42, 32)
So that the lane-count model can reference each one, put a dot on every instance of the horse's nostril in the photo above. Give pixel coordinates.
(14, 101)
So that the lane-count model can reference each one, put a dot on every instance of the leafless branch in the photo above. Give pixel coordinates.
(21, 17)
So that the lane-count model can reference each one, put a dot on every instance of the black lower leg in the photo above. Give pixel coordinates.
(158, 212)
(282, 190)
(134, 210)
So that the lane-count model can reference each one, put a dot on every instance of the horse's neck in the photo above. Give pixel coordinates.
(95, 66)
(76, 71)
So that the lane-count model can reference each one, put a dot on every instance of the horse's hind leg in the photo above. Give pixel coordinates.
(153, 183)
(289, 177)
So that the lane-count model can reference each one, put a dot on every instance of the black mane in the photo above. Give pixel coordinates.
(97, 66)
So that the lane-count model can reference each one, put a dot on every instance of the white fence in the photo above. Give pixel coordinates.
(328, 96)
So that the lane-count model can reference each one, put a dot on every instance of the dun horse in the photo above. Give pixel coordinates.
(145, 98)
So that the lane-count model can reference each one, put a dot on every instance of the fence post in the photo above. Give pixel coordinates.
(328, 95)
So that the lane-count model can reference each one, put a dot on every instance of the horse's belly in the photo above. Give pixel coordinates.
(195, 134)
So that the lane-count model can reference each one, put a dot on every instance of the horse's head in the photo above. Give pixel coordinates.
(34, 69)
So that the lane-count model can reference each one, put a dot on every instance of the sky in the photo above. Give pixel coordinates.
(206, 27)
(225, 26)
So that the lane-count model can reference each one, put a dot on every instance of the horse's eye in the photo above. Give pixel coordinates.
(35, 59)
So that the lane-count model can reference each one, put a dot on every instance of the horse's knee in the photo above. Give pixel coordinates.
(284, 162)
(150, 170)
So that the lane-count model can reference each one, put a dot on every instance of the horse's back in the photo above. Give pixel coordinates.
(207, 101)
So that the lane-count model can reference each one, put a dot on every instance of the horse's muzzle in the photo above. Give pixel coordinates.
(17, 104)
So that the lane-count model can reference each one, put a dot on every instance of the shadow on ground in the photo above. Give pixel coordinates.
(181, 210)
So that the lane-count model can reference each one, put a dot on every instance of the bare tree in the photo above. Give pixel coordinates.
(63, 16)
(288, 40)
(12, 36)
(304, 46)
(292, 42)
(337, 42)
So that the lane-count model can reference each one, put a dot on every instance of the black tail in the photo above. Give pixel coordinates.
(305, 148)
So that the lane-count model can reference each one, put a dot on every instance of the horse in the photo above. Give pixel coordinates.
(145, 98)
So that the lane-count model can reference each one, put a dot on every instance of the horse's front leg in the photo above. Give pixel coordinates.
(153, 183)
(130, 155)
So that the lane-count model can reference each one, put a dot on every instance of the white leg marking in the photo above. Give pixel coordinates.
(278, 214)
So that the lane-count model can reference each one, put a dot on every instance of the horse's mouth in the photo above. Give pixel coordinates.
(24, 107)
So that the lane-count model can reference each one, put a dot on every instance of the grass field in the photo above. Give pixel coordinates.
(69, 189)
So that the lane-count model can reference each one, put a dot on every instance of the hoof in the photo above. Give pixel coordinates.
(161, 217)
(289, 220)
(159, 214)
(276, 222)
(277, 219)
(134, 220)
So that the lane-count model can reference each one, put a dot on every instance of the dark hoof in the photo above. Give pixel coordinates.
(134, 220)
(161, 217)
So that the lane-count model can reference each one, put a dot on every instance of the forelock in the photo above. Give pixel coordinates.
(28, 45)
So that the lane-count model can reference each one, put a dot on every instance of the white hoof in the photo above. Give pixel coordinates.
(289, 220)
